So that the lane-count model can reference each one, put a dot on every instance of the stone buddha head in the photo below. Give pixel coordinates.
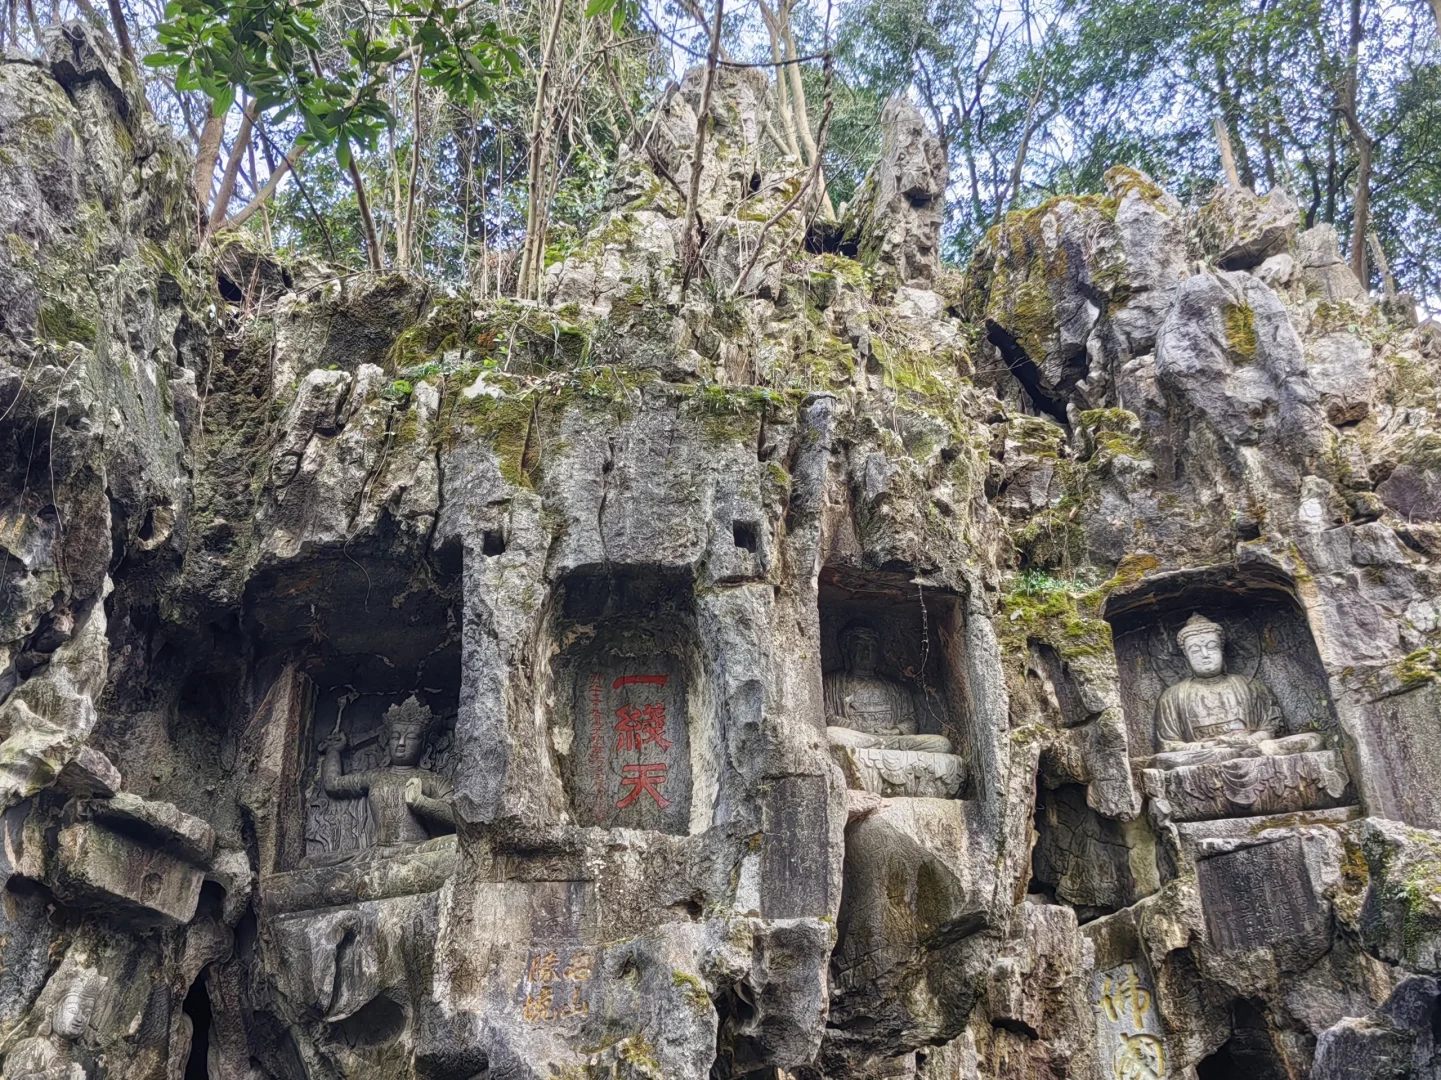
(861, 646)
(71, 1014)
(1204, 644)
(406, 726)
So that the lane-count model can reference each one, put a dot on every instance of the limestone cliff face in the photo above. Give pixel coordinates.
(393, 685)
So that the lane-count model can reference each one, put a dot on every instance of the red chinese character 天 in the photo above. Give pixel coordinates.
(646, 778)
(640, 726)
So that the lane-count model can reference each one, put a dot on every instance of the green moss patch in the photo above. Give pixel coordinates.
(1240, 323)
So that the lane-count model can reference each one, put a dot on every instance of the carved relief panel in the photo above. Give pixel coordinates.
(630, 764)
(1264, 639)
(1226, 700)
(628, 701)
(341, 825)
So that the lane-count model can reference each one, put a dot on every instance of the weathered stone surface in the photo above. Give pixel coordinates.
(613, 562)
(1397, 1041)
(1323, 272)
(900, 209)
(1240, 230)
(160, 823)
(105, 870)
(89, 773)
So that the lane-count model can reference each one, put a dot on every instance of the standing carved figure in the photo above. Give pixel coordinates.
(51, 1055)
(865, 709)
(1212, 716)
(408, 804)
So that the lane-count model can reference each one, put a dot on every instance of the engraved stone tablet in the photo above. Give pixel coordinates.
(630, 762)
(1261, 897)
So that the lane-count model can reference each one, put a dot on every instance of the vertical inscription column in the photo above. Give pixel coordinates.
(632, 765)
(1131, 1043)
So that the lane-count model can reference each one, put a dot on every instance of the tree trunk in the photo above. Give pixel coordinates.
(206, 156)
(1228, 160)
(232, 170)
(689, 252)
(372, 242)
(405, 235)
(262, 196)
(802, 111)
(528, 285)
(122, 32)
(1365, 148)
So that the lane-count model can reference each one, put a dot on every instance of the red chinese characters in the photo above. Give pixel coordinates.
(640, 726)
(642, 779)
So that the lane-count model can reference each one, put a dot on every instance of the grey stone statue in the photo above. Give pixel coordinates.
(408, 804)
(1212, 716)
(869, 711)
(51, 1054)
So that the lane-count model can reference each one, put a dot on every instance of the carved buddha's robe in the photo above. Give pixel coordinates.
(1200, 709)
(1196, 714)
(396, 822)
(42, 1057)
(869, 711)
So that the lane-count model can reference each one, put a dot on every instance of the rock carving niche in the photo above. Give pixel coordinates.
(378, 752)
(346, 637)
(1093, 863)
(1227, 707)
(894, 684)
(631, 717)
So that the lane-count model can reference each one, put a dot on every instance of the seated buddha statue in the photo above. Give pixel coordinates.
(865, 710)
(1212, 716)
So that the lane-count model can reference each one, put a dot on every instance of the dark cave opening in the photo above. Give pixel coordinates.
(1248, 1054)
(197, 1007)
(1027, 373)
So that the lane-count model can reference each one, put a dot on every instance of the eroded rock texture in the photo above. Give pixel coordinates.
(848, 669)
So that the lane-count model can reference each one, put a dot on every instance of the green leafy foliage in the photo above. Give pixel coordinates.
(270, 50)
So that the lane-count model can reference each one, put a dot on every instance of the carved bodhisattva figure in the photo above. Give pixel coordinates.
(408, 804)
(1212, 716)
(866, 710)
(51, 1055)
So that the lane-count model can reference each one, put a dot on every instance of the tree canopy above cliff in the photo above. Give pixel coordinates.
(476, 141)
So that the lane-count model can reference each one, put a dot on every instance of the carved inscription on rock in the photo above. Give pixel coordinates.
(1261, 897)
(1130, 1040)
(630, 762)
(556, 984)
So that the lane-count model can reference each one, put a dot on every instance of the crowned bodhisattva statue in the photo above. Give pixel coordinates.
(408, 804)
(51, 1055)
(866, 710)
(1212, 716)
